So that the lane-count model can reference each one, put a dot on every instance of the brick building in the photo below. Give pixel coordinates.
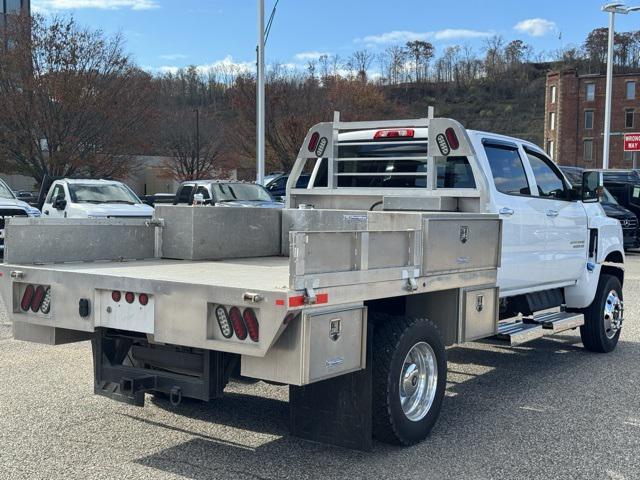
(574, 118)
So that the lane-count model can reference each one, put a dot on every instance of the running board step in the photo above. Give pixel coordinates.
(519, 332)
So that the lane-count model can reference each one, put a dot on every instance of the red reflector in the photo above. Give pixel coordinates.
(25, 304)
(452, 138)
(129, 297)
(280, 302)
(298, 300)
(116, 296)
(238, 323)
(251, 321)
(38, 296)
(400, 133)
(143, 298)
(313, 141)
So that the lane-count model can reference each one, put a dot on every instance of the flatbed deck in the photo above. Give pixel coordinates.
(262, 273)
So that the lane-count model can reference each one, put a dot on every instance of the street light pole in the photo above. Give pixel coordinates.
(197, 112)
(612, 9)
(260, 92)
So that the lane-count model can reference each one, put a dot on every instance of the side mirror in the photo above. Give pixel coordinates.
(592, 184)
(60, 203)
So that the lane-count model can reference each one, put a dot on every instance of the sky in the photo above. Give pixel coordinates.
(163, 35)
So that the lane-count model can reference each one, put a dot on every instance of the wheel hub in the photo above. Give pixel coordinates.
(418, 381)
(612, 314)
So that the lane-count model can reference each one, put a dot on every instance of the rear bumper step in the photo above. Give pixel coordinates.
(523, 331)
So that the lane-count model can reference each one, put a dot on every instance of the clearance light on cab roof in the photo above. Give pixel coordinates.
(396, 133)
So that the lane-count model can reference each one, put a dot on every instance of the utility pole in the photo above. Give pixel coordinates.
(260, 92)
(612, 9)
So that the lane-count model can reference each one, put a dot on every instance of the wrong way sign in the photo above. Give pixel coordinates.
(632, 142)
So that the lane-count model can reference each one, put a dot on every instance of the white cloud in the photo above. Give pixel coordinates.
(307, 56)
(226, 65)
(174, 56)
(536, 27)
(51, 5)
(404, 36)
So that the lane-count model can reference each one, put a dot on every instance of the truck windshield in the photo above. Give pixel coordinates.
(108, 193)
(5, 192)
(231, 192)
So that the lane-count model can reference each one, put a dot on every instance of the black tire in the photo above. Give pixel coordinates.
(593, 332)
(393, 338)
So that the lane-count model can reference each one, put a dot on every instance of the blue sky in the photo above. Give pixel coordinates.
(165, 34)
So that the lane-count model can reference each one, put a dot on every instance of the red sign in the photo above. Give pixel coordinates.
(632, 142)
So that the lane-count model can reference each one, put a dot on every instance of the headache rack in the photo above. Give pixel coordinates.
(339, 169)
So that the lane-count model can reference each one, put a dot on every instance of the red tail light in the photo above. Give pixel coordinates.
(143, 298)
(38, 296)
(399, 133)
(25, 304)
(116, 296)
(251, 321)
(238, 323)
(129, 297)
(452, 138)
(313, 142)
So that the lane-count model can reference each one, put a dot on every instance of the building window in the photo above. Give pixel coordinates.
(590, 92)
(552, 120)
(629, 158)
(588, 119)
(631, 90)
(550, 148)
(587, 150)
(13, 6)
(629, 119)
(552, 93)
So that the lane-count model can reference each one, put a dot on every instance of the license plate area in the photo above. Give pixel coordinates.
(131, 311)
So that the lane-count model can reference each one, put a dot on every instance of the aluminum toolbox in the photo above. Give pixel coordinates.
(314, 347)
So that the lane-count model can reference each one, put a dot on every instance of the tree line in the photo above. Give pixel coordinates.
(72, 102)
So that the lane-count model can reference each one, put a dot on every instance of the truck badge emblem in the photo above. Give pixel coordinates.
(625, 223)
(464, 233)
(334, 329)
(322, 145)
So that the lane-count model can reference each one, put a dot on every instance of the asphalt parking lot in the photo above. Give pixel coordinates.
(547, 410)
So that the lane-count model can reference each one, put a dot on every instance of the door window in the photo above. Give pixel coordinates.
(55, 193)
(507, 169)
(184, 195)
(549, 180)
(204, 192)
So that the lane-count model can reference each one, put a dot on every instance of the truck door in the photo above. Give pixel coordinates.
(53, 206)
(523, 233)
(567, 233)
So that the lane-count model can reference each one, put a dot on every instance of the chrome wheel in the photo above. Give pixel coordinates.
(418, 381)
(612, 314)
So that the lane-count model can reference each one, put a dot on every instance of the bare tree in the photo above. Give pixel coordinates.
(421, 52)
(396, 63)
(360, 61)
(71, 102)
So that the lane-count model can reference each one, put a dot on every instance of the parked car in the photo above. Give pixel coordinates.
(628, 220)
(11, 206)
(71, 198)
(624, 185)
(26, 196)
(277, 185)
(225, 193)
(151, 200)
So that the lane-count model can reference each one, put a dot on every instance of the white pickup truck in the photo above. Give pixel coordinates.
(77, 198)
(411, 236)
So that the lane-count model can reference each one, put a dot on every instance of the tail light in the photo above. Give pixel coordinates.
(251, 321)
(452, 138)
(116, 296)
(237, 322)
(25, 304)
(37, 299)
(129, 297)
(313, 141)
(398, 133)
(46, 303)
(143, 298)
(223, 321)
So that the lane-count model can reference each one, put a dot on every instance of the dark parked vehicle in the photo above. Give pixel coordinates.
(277, 184)
(624, 185)
(225, 193)
(151, 200)
(30, 197)
(627, 218)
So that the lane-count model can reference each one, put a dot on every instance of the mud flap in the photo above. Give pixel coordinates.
(336, 411)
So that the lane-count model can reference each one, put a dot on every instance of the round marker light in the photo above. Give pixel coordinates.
(46, 303)
(251, 321)
(237, 322)
(129, 297)
(27, 296)
(223, 321)
(116, 296)
(143, 298)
